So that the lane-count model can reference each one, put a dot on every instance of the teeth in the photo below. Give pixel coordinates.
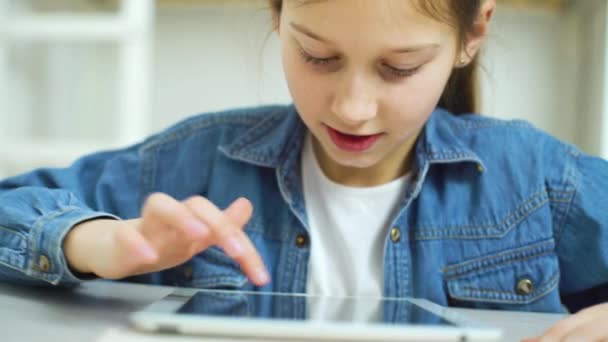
(358, 136)
(353, 135)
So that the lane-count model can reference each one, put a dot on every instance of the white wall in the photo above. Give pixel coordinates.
(531, 70)
(593, 91)
(549, 68)
(212, 58)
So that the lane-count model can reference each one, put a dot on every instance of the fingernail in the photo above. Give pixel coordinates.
(262, 276)
(233, 247)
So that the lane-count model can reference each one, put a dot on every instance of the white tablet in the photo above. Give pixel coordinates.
(275, 316)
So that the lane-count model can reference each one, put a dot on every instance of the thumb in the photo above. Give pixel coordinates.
(135, 244)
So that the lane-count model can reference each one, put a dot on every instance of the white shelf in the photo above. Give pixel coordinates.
(131, 27)
(65, 27)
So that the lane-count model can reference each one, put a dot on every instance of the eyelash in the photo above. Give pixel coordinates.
(396, 72)
(314, 60)
(402, 72)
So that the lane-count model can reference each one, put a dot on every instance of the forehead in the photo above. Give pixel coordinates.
(398, 7)
(389, 20)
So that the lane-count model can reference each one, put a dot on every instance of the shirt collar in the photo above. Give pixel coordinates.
(443, 141)
(281, 134)
(271, 141)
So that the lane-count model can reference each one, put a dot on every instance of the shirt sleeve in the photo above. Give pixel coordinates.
(580, 201)
(39, 208)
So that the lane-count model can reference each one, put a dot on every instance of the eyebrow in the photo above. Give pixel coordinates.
(416, 48)
(309, 33)
(407, 49)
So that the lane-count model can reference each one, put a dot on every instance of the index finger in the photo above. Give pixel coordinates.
(229, 236)
(173, 213)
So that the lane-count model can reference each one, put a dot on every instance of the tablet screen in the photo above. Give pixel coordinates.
(311, 308)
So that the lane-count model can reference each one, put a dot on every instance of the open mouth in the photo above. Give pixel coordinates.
(352, 143)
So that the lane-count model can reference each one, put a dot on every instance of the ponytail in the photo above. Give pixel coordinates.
(461, 93)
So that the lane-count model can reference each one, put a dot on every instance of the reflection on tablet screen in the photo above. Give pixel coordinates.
(294, 307)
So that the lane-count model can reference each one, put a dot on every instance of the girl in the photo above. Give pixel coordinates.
(374, 183)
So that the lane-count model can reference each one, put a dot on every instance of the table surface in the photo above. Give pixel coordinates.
(98, 311)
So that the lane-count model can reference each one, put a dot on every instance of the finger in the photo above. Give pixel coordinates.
(563, 327)
(594, 330)
(239, 211)
(134, 249)
(231, 238)
(174, 214)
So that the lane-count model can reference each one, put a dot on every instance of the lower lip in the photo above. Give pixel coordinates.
(352, 143)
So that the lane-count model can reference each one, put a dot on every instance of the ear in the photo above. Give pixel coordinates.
(479, 32)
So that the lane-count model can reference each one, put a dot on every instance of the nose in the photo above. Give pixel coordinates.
(354, 101)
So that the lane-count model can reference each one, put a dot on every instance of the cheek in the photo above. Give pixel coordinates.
(425, 88)
(416, 98)
(308, 89)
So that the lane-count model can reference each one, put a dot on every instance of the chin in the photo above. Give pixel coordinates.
(358, 162)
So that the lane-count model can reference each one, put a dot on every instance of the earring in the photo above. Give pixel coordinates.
(463, 62)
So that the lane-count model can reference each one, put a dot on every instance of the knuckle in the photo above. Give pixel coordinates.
(155, 199)
(199, 234)
(156, 196)
(197, 201)
(199, 205)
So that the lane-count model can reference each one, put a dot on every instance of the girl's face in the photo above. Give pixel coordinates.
(364, 75)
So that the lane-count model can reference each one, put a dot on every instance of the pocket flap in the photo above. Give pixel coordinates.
(213, 269)
(517, 276)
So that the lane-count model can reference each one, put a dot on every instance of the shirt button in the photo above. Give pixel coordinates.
(395, 234)
(188, 272)
(524, 287)
(301, 240)
(44, 264)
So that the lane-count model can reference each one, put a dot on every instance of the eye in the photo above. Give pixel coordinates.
(315, 60)
(401, 73)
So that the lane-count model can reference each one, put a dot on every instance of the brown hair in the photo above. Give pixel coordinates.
(461, 92)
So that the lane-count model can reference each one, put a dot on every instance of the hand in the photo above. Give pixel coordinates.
(589, 325)
(168, 234)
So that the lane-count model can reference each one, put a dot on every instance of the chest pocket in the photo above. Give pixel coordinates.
(524, 279)
(213, 269)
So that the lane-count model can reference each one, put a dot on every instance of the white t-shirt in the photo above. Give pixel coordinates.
(348, 228)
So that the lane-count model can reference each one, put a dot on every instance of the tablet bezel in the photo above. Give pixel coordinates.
(162, 317)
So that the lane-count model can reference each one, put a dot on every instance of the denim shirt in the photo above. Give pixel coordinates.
(497, 215)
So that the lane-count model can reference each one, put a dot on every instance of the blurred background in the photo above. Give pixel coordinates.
(81, 75)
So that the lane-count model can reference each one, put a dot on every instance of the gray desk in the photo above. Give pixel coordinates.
(98, 310)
